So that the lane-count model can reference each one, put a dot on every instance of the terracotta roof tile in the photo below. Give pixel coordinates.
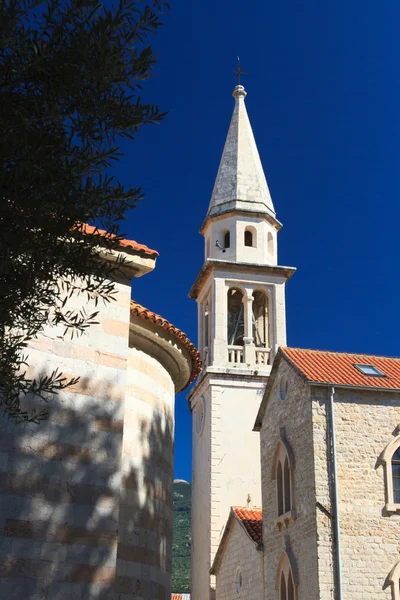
(338, 368)
(140, 248)
(144, 313)
(252, 521)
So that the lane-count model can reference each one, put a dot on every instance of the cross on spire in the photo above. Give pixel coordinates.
(239, 71)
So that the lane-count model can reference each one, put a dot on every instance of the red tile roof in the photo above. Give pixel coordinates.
(139, 248)
(144, 313)
(251, 518)
(338, 368)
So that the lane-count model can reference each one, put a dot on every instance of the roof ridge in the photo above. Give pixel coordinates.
(337, 352)
(324, 367)
(124, 243)
(137, 309)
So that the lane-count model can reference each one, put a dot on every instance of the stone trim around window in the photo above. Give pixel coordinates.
(393, 580)
(287, 568)
(385, 460)
(283, 473)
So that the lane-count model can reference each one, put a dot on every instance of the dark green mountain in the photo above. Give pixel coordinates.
(181, 537)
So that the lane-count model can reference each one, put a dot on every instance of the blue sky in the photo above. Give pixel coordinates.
(324, 100)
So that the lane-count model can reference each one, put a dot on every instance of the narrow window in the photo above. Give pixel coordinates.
(260, 319)
(282, 595)
(235, 317)
(279, 485)
(282, 473)
(270, 244)
(396, 476)
(285, 582)
(393, 580)
(290, 594)
(286, 486)
(248, 238)
(227, 239)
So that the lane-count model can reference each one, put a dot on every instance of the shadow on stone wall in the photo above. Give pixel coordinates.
(70, 525)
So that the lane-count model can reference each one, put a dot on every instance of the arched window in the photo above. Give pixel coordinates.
(287, 486)
(208, 248)
(248, 238)
(390, 459)
(279, 488)
(393, 580)
(287, 578)
(282, 472)
(396, 476)
(270, 244)
(282, 591)
(227, 239)
(235, 317)
(260, 319)
(290, 590)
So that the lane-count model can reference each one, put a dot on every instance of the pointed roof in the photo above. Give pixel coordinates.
(251, 521)
(240, 183)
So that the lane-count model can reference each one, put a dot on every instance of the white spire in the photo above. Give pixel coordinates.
(240, 183)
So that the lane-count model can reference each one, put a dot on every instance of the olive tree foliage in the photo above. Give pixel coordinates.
(70, 81)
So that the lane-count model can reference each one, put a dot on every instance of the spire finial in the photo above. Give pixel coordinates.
(239, 71)
(239, 91)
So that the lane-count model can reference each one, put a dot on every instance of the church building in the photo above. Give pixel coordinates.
(240, 292)
(296, 453)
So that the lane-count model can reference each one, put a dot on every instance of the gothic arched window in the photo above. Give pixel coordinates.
(260, 319)
(396, 476)
(286, 577)
(235, 317)
(390, 459)
(283, 474)
(393, 580)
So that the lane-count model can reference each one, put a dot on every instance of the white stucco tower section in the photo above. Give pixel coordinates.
(240, 292)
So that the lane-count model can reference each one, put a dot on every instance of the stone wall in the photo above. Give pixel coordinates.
(294, 415)
(366, 423)
(226, 464)
(240, 552)
(201, 499)
(86, 497)
(144, 554)
(60, 481)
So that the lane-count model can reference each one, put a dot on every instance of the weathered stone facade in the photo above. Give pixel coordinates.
(240, 553)
(290, 419)
(365, 421)
(86, 497)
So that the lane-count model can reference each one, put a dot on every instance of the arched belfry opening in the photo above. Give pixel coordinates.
(270, 244)
(227, 239)
(235, 317)
(260, 319)
(250, 237)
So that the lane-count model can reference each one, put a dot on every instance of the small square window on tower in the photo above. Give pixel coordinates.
(370, 370)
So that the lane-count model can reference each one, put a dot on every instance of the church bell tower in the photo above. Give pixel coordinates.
(240, 292)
